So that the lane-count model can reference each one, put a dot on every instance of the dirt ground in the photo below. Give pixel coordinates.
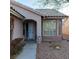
(53, 50)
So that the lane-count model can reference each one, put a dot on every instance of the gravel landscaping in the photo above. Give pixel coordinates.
(53, 50)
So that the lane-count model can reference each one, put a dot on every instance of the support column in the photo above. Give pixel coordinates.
(25, 30)
(57, 27)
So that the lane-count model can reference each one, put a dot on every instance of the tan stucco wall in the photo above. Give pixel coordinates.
(65, 28)
(18, 29)
(30, 15)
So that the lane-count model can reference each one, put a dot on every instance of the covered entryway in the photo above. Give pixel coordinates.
(30, 30)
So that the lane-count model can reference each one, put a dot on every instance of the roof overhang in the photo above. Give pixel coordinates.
(36, 12)
(54, 17)
(15, 13)
(25, 7)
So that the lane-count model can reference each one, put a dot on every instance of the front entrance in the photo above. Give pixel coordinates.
(30, 30)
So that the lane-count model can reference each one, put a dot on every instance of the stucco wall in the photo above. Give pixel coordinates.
(30, 15)
(18, 29)
(65, 28)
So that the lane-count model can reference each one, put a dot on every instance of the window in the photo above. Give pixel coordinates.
(49, 27)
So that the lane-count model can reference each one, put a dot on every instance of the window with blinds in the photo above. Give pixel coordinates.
(49, 27)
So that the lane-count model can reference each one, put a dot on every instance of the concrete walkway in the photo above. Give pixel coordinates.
(29, 51)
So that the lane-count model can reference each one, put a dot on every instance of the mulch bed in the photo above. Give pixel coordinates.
(16, 47)
(48, 50)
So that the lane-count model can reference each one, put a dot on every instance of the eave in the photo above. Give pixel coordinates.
(54, 17)
(15, 13)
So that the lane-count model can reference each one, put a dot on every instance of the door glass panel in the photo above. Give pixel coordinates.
(31, 31)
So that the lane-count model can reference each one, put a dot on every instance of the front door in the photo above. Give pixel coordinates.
(31, 31)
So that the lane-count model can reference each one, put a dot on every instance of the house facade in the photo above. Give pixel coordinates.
(35, 24)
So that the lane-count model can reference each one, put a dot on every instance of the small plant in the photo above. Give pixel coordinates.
(55, 45)
(16, 50)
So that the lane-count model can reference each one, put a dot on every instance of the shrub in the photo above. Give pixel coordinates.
(16, 46)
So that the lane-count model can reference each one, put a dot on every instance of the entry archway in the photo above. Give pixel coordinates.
(30, 30)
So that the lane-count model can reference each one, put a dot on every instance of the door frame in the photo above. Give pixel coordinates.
(24, 27)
